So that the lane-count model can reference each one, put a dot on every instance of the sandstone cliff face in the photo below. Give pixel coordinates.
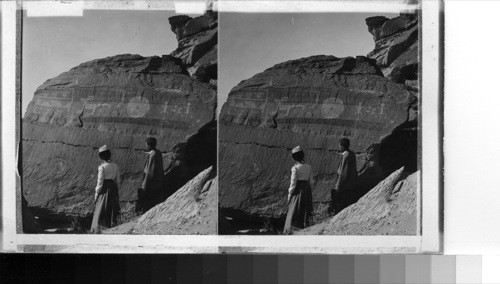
(191, 210)
(311, 102)
(396, 46)
(197, 44)
(390, 208)
(117, 101)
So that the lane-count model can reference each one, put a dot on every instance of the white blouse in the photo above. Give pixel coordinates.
(107, 171)
(300, 172)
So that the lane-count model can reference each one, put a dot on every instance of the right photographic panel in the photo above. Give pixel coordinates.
(319, 129)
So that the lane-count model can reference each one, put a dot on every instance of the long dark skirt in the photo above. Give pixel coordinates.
(107, 207)
(300, 207)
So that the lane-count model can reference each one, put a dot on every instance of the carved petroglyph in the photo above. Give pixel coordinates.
(382, 108)
(88, 104)
(138, 107)
(48, 103)
(284, 110)
(103, 109)
(37, 109)
(232, 111)
(207, 97)
(370, 110)
(115, 102)
(122, 102)
(332, 108)
(316, 95)
(280, 106)
(177, 91)
(164, 109)
(365, 91)
(305, 106)
(359, 109)
(179, 110)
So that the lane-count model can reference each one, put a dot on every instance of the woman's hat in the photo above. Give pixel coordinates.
(296, 150)
(103, 148)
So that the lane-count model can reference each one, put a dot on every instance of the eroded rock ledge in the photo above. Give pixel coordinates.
(396, 46)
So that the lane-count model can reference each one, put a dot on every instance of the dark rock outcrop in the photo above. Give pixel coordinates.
(390, 208)
(119, 101)
(197, 44)
(191, 210)
(184, 26)
(311, 102)
(397, 54)
(396, 46)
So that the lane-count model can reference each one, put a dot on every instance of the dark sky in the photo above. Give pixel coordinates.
(250, 43)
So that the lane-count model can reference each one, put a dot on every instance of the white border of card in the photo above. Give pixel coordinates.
(431, 212)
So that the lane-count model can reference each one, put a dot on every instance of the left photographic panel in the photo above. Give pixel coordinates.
(118, 130)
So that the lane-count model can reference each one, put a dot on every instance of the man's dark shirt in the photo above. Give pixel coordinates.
(153, 171)
(347, 172)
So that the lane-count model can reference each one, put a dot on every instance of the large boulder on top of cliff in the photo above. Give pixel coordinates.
(191, 210)
(177, 25)
(184, 26)
(390, 208)
(396, 46)
(118, 101)
(197, 46)
(381, 27)
(311, 102)
(192, 48)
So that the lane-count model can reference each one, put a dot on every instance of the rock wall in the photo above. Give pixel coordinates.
(397, 46)
(311, 102)
(390, 208)
(118, 101)
(397, 54)
(197, 44)
(191, 210)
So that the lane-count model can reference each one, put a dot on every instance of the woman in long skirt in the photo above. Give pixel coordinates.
(299, 194)
(107, 204)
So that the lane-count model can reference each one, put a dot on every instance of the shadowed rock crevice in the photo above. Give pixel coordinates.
(237, 222)
(400, 149)
(189, 158)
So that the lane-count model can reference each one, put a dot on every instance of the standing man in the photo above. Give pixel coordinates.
(347, 175)
(152, 183)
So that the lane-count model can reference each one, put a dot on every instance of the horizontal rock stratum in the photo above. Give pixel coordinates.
(311, 102)
(117, 101)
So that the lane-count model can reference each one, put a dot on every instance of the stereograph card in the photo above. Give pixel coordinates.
(221, 126)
